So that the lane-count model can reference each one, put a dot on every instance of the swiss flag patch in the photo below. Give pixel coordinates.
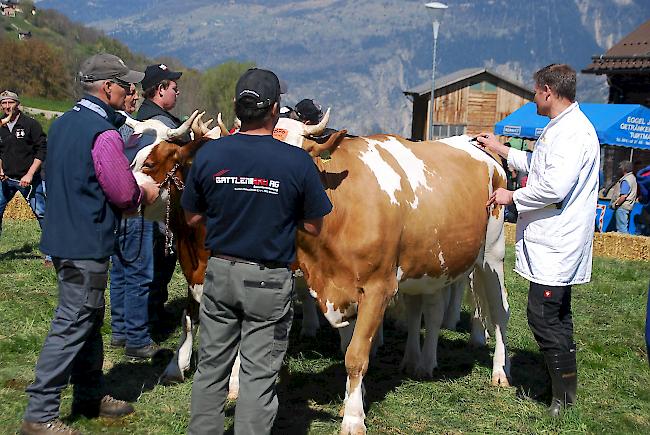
(548, 293)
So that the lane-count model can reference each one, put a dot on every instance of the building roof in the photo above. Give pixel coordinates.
(631, 54)
(460, 75)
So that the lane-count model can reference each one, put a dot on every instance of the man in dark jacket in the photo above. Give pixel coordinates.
(22, 152)
(140, 266)
(89, 183)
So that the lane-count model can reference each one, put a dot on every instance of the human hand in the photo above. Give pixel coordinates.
(26, 180)
(150, 192)
(500, 196)
(489, 142)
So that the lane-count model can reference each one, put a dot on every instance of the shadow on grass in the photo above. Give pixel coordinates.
(128, 379)
(529, 376)
(166, 326)
(25, 252)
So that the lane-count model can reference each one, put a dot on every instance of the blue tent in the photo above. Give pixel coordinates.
(626, 125)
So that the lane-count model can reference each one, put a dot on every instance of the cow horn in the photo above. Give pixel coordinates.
(318, 129)
(222, 126)
(197, 125)
(183, 129)
(236, 123)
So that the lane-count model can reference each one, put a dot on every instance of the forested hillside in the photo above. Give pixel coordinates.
(44, 65)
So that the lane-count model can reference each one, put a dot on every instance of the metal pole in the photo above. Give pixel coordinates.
(436, 25)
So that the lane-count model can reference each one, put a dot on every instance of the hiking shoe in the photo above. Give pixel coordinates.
(118, 342)
(144, 352)
(55, 426)
(108, 406)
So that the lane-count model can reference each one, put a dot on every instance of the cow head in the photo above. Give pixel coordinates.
(164, 161)
(302, 135)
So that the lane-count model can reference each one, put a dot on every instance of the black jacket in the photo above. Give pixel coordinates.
(19, 148)
(149, 110)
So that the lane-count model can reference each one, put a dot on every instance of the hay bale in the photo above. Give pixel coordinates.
(18, 209)
(612, 245)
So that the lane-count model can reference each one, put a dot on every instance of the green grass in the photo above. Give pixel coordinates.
(614, 391)
(45, 104)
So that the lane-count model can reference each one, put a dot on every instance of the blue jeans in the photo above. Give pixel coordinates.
(34, 195)
(622, 220)
(131, 278)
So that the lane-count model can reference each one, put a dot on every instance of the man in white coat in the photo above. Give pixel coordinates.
(555, 229)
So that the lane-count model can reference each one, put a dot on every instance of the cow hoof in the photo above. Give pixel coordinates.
(353, 426)
(170, 380)
(500, 380)
(423, 372)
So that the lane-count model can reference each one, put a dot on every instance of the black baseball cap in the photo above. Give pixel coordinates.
(155, 74)
(258, 89)
(104, 66)
(308, 110)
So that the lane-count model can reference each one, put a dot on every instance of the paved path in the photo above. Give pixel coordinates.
(47, 113)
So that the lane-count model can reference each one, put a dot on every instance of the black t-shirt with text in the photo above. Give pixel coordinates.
(253, 191)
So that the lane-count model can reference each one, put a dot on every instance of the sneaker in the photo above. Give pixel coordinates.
(55, 426)
(108, 406)
(118, 342)
(144, 352)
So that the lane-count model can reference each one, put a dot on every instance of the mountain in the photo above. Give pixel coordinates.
(358, 56)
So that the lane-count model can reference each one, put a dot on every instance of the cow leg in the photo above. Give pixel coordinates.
(489, 280)
(233, 382)
(175, 370)
(452, 313)
(370, 314)
(310, 319)
(434, 306)
(479, 334)
(345, 333)
(412, 353)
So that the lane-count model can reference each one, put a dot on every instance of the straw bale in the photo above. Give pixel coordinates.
(18, 209)
(612, 245)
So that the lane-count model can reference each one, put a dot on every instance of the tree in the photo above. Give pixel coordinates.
(218, 88)
(34, 68)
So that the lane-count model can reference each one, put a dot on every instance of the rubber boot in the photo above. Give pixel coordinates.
(564, 380)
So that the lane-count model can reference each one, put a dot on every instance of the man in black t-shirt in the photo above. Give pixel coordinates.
(253, 192)
(22, 151)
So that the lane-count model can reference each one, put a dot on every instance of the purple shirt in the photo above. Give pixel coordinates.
(113, 171)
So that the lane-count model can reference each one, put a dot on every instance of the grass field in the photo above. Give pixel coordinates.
(614, 377)
(42, 103)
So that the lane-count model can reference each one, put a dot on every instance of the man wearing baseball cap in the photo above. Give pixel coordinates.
(251, 232)
(89, 183)
(22, 152)
(155, 269)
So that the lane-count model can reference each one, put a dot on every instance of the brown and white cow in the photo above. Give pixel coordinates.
(408, 216)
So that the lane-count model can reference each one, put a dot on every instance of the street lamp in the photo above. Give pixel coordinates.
(436, 10)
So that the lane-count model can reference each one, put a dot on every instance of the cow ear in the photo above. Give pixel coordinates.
(330, 145)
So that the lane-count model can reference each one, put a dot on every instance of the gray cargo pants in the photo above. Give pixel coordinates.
(73, 348)
(248, 308)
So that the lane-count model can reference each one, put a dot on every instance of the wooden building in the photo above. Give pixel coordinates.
(627, 67)
(466, 102)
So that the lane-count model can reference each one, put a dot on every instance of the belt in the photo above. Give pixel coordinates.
(260, 264)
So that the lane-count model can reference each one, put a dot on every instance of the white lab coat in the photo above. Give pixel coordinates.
(557, 208)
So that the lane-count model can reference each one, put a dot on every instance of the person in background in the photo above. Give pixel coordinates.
(251, 232)
(555, 229)
(309, 112)
(89, 184)
(624, 196)
(22, 152)
(132, 272)
(160, 92)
